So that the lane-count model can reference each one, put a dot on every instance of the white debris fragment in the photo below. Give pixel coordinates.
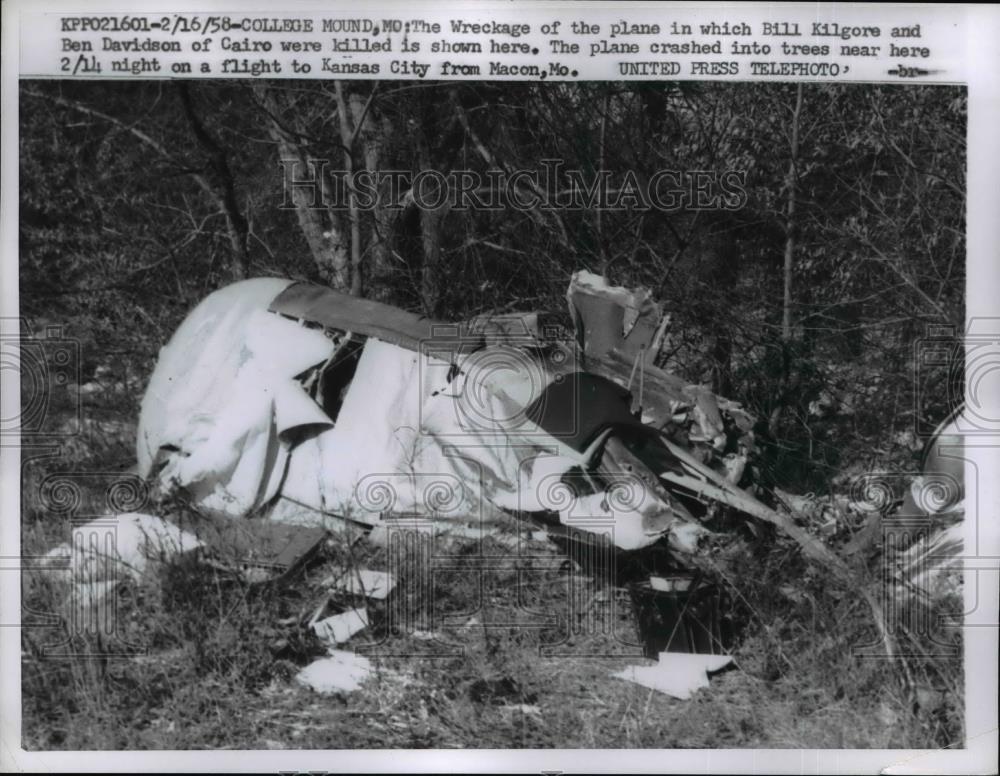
(93, 593)
(629, 530)
(735, 465)
(340, 627)
(379, 536)
(59, 557)
(339, 672)
(677, 674)
(127, 543)
(687, 537)
(371, 584)
(522, 708)
(257, 575)
(670, 584)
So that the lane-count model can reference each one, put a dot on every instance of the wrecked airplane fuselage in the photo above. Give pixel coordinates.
(310, 405)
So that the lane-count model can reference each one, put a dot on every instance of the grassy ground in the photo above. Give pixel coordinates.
(218, 656)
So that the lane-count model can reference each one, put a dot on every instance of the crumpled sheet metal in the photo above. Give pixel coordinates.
(619, 332)
(610, 317)
(228, 442)
(226, 421)
(216, 413)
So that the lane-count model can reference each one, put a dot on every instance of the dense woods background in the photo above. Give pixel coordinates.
(808, 303)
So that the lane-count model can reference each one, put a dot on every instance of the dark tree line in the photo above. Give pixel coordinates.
(805, 301)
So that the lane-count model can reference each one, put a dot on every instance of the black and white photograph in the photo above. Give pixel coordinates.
(449, 414)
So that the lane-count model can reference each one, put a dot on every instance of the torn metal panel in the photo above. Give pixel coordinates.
(260, 550)
(612, 317)
(363, 582)
(576, 408)
(708, 419)
(619, 332)
(340, 627)
(218, 417)
(335, 310)
(330, 309)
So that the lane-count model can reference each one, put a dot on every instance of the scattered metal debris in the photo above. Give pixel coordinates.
(361, 374)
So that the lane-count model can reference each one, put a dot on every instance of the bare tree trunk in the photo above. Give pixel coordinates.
(430, 241)
(725, 274)
(222, 187)
(791, 185)
(598, 213)
(374, 132)
(791, 182)
(324, 236)
(347, 135)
